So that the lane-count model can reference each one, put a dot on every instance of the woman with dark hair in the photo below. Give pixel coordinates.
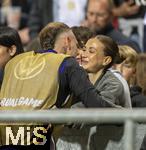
(99, 55)
(10, 46)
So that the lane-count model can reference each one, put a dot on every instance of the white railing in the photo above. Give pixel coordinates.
(126, 116)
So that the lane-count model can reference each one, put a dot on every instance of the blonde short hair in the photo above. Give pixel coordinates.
(141, 72)
(128, 54)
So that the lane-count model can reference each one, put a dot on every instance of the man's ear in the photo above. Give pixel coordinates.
(68, 43)
(12, 50)
(107, 60)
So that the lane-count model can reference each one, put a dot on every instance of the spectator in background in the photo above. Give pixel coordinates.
(71, 12)
(128, 65)
(138, 90)
(10, 46)
(14, 13)
(131, 14)
(41, 13)
(99, 18)
(117, 72)
(125, 65)
(133, 70)
(124, 8)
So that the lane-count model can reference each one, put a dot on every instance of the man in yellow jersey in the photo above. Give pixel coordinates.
(43, 79)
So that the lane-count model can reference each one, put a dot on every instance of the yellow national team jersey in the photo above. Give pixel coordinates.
(30, 83)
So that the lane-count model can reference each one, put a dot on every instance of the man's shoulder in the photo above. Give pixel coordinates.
(32, 57)
(69, 63)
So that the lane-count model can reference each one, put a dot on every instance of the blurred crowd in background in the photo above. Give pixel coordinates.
(30, 16)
